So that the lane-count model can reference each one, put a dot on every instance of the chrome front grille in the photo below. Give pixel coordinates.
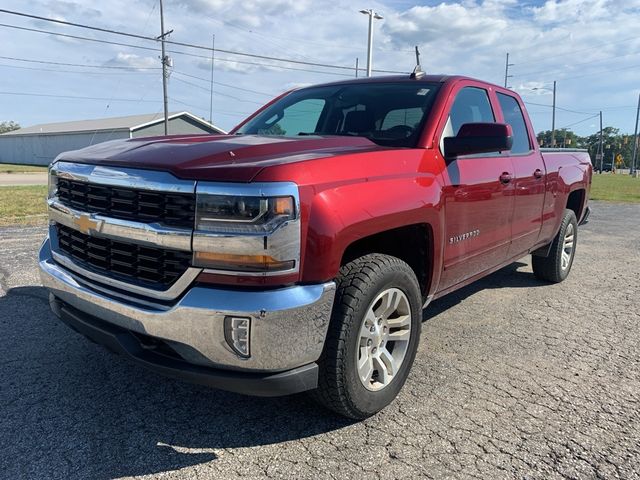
(155, 268)
(123, 231)
(167, 208)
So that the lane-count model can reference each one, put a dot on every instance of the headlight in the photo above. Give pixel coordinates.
(52, 182)
(252, 229)
(242, 215)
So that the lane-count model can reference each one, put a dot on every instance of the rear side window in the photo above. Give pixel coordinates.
(514, 117)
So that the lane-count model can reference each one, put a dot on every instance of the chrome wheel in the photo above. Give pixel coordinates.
(384, 339)
(567, 247)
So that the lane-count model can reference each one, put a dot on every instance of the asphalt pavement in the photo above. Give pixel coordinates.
(514, 379)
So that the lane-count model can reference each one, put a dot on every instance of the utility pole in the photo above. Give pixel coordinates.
(372, 14)
(506, 71)
(553, 118)
(357, 59)
(165, 63)
(635, 141)
(213, 50)
(600, 154)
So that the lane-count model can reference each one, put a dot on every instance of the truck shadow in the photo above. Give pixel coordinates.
(75, 410)
(510, 276)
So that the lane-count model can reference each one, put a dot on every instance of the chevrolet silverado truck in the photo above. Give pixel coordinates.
(298, 252)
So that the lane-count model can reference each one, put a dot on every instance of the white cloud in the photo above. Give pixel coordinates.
(577, 10)
(132, 60)
(589, 46)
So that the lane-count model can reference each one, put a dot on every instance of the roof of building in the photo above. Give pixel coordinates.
(129, 123)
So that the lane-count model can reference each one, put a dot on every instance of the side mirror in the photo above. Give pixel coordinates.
(479, 138)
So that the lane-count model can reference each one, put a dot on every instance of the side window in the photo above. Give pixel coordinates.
(299, 117)
(471, 105)
(513, 116)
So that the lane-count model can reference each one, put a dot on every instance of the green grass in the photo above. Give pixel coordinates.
(23, 205)
(615, 188)
(11, 168)
(26, 205)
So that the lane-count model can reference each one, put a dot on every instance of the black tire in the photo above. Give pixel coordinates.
(550, 268)
(358, 285)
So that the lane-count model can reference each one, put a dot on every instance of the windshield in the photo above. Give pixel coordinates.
(389, 114)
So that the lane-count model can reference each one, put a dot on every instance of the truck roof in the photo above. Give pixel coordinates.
(399, 78)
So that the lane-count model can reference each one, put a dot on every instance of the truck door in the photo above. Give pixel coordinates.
(478, 197)
(529, 178)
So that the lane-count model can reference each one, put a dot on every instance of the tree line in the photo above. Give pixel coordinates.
(614, 144)
(8, 126)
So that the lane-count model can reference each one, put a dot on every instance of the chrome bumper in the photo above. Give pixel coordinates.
(288, 325)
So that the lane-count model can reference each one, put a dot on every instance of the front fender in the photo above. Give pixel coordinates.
(343, 214)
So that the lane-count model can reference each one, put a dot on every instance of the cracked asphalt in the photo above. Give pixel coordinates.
(513, 379)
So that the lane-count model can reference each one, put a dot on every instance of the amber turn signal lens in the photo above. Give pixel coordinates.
(240, 263)
(283, 206)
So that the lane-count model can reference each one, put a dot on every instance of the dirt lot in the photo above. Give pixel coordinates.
(514, 379)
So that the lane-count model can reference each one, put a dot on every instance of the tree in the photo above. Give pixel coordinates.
(8, 126)
(613, 144)
(564, 139)
(275, 129)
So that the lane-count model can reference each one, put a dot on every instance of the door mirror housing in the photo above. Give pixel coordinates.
(479, 138)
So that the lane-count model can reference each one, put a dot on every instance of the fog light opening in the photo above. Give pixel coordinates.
(237, 333)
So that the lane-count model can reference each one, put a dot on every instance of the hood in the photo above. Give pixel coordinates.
(236, 158)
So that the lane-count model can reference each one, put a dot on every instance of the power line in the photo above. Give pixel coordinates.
(176, 52)
(576, 65)
(184, 44)
(581, 121)
(225, 84)
(222, 112)
(580, 50)
(16, 59)
(84, 72)
(32, 94)
(298, 40)
(216, 93)
(557, 108)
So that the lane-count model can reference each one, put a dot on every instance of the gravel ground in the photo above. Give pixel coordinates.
(31, 178)
(513, 379)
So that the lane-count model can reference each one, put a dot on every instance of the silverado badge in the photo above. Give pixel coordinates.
(463, 236)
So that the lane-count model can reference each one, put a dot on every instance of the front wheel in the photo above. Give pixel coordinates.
(373, 336)
(557, 265)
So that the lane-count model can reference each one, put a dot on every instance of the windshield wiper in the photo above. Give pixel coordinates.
(334, 134)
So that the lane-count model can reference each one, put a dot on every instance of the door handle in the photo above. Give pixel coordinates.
(505, 178)
(537, 173)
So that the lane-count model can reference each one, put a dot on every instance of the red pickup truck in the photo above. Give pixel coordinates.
(298, 252)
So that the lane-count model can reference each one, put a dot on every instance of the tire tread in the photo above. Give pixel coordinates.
(549, 268)
(353, 280)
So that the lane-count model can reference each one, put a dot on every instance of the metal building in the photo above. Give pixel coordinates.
(40, 144)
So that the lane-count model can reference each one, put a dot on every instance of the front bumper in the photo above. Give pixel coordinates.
(288, 329)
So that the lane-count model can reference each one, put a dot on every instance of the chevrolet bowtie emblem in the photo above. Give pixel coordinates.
(85, 224)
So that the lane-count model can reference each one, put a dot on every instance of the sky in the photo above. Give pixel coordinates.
(591, 48)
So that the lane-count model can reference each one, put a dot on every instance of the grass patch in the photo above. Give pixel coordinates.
(11, 168)
(615, 188)
(23, 205)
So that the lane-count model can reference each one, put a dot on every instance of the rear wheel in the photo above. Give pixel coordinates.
(557, 265)
(372, 338)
